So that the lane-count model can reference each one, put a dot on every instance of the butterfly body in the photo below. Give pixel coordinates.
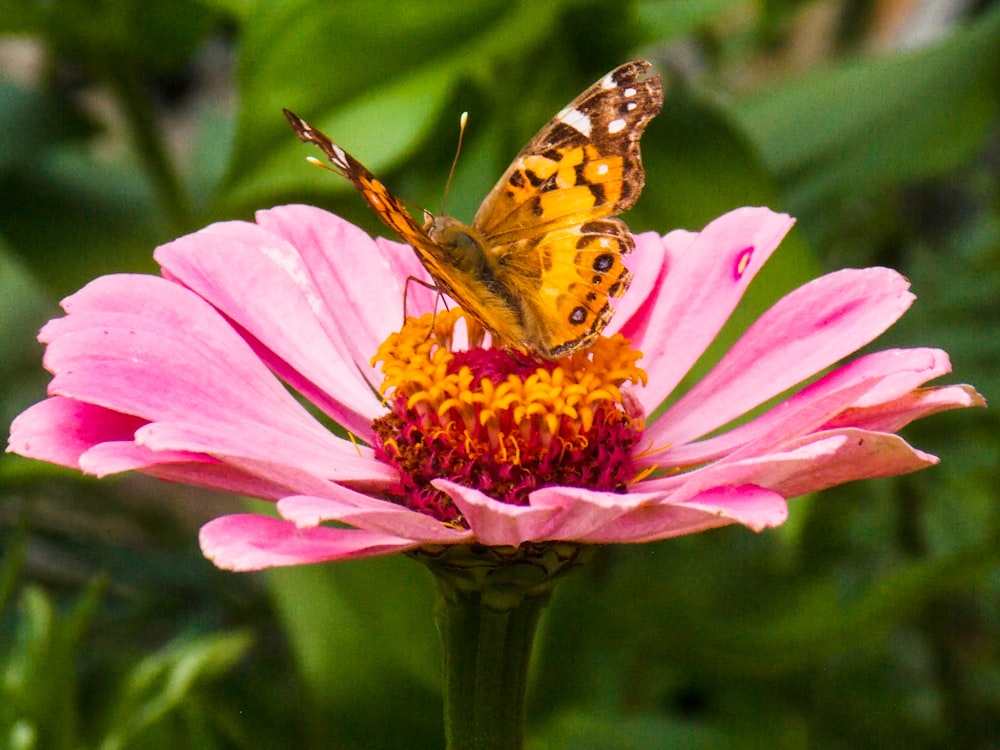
(475, 278)
(544, 252)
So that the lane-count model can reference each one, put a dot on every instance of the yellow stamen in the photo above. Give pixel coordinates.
(502, 421)
(416, 364)
(354, 442)
(644, 474)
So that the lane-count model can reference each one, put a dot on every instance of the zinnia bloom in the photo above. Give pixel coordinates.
(414, 439)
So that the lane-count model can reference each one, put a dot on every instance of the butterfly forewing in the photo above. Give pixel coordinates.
(388, 207)
(544, 252)
(481, 300)
(585, 163)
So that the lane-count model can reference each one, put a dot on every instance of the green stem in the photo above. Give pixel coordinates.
(489, 603)
(486, 656)
(150, 145)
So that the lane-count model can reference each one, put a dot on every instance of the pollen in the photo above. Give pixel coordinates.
(500, 421)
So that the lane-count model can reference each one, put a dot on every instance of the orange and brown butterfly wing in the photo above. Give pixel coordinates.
(569, 298)
(585, 163)
(548, 220)
(388, 207)
(473, 293)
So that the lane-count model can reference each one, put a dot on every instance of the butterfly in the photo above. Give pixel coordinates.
(544, 251)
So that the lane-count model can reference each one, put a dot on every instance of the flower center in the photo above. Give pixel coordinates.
(500, 422)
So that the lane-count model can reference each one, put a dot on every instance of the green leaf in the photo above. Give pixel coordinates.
(165, 681)
(146, 36)
(30, 122)
(370, 124)
(378, 91)
(641, 730)
(719, 628)
(39, 683)
(365, 643)
(851, 131)
(662, 20)
(24, 307)
(107, 218)
(12, 566)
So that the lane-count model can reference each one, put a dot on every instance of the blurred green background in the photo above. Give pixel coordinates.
(870, 620)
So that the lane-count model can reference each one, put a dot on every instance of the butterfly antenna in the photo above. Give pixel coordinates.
(322, 165)
(454, 162)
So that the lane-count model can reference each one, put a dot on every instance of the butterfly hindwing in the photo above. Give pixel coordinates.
(569, 274)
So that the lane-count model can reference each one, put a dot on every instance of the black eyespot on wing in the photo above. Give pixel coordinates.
(578, 316)
(604, 262)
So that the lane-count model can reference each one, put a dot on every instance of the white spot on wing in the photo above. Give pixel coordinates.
(630, 106)
(608, 82)
(576, 120)
(602, 169)
(629, 92)
(617, 126)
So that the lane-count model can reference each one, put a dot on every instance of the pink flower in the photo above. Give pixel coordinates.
(181, 377)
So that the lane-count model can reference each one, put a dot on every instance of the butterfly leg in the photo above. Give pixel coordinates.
(427, 285)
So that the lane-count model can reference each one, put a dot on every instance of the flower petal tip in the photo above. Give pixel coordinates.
(248, 542)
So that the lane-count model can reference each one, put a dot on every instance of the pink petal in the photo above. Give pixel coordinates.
(582, 513)
(60, 430)
(885, 374)
(253, 542)
(351, 275)
(808, 464)
(158, 339)
(703, 278)
(336, 460)
(849, 455)
(494, 522)
(230, 467)
(892, 416)
(268, 482)
(806, 331)
(261, 282)
(227, 477)
(755, 507)
(150, 348)
(109, 458)
(361, 511)
(98, 441)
